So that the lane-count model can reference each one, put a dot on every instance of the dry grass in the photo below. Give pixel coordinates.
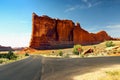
(111, 75)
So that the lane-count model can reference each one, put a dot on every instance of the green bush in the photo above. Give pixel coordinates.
(3, 55)
(11, 56)
(109, 44)
(77, 49)
(60, 53)
(26, 54)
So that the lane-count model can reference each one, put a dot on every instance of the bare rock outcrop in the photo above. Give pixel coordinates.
(48, 33)
(82, 36)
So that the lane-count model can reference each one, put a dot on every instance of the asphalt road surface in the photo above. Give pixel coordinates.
(66, 69)
(39, 68)
(27, 69)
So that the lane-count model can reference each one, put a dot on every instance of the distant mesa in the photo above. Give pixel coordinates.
(49, 33)
(4, 48)
(18, 48)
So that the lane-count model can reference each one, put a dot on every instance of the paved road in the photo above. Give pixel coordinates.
(28, 69)
(65, 69)
(39, 68)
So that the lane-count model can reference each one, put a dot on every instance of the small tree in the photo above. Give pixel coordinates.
(77, 49)
(11, 55)
(109, 44)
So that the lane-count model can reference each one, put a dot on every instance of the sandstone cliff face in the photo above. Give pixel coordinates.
(82, 37)
(48, 33)
(65, 30)
(102, 36)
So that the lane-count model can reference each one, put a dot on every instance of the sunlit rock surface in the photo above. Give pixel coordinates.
(49, 33)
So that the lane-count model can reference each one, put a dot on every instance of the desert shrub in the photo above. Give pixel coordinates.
(2, 55)
(112, 73)
(109, 44)
(77, 49)
(60, 53)
(11, 56)
(26, 54)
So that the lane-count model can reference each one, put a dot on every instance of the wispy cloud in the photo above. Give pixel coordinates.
(90, 4)
(114, 30)
(114, 26)
(83, 5)
(72, 8)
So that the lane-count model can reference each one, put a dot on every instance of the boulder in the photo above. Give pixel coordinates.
(88, 51)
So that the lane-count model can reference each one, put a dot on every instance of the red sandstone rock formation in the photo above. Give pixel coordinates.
(48, 33)
(83, 37)
(65, 30)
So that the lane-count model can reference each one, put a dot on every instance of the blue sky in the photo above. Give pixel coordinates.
(93, 15)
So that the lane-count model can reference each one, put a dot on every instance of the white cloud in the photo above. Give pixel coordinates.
(72, 8)
(114, 26)
(86, 4)
(90, 4)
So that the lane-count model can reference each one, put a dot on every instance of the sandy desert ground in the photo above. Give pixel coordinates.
(109, 73)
